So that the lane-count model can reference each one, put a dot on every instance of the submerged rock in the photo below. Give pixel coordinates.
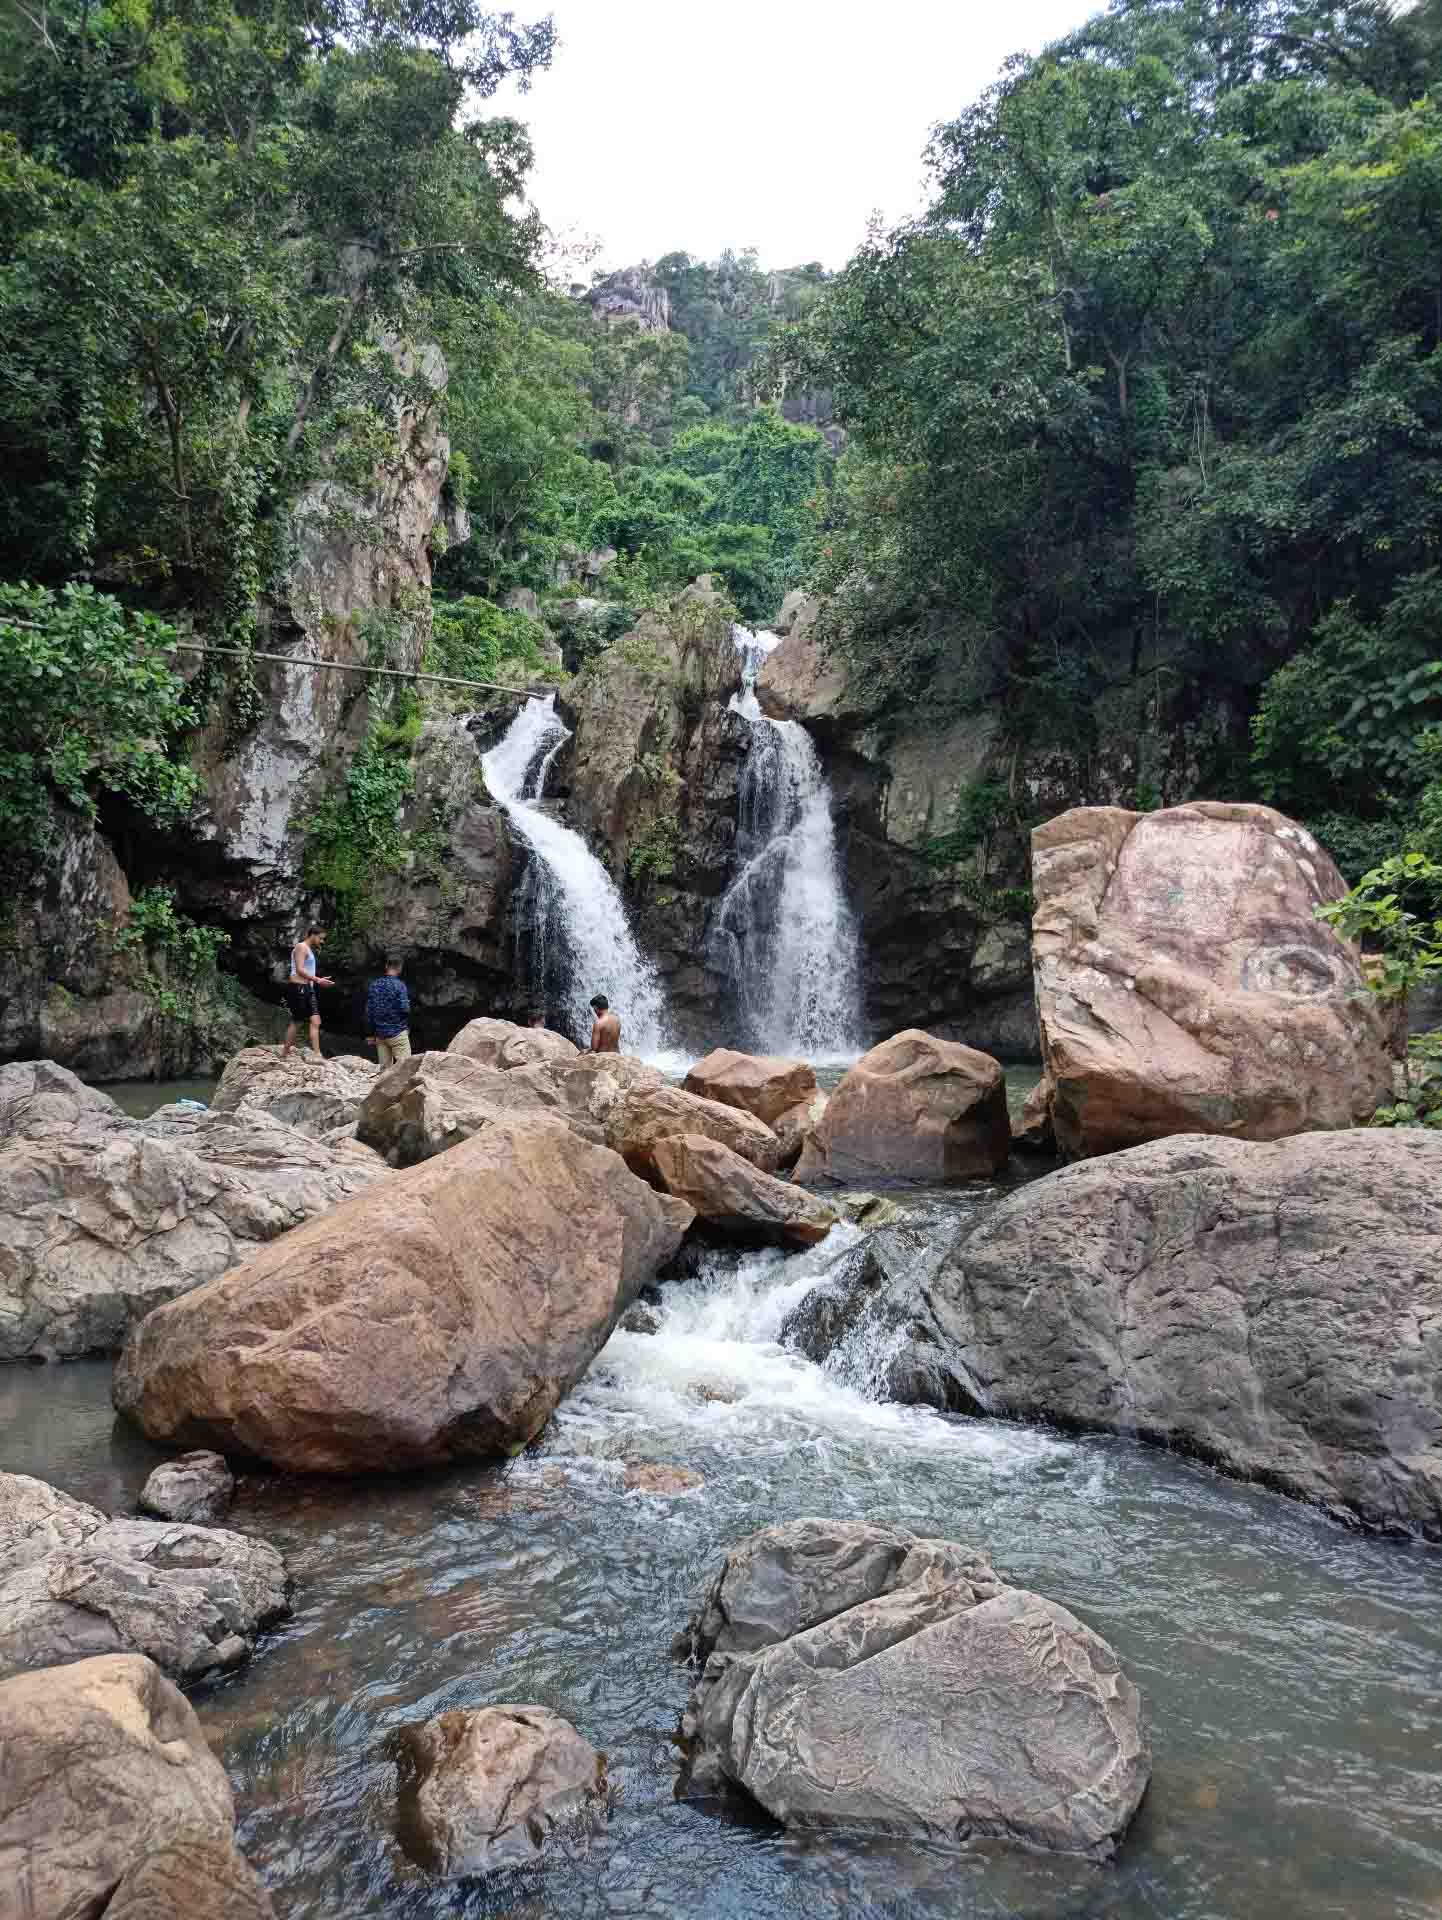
(1276, 1308)
(198, 1487)
(74, 1583)
(106, 1218)
(488, 1787)
(913, 1108)
(110, 1800)
(654, 1476)
(316, 1096)
(855, 1675)
(735, 1199)
(1185, 985)
(432, 1101)
(763, 1084)
(504, 1045)
(445, 1323)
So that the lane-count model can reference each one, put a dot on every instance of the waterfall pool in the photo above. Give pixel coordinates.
(1291, 1671)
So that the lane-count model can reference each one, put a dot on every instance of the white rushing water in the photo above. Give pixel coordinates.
(578, 918)
(784, 932)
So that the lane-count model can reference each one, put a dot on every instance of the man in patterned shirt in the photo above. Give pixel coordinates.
(388, 1015)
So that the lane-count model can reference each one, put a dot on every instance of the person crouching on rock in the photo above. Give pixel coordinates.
(388, 1015)
(300, 990)
(606, 1032)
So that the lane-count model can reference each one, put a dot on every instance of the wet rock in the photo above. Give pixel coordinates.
(1184, 984)
(872, 1321)
(1031, 1129)
(489, 1787)
(654, 1476)
(640, 1319)
(106, 1218)
(198, 1487)
(444, 1324)
(110, 1800)
(312, 1094)
(736, 1200)
(74, 1583)
(1275, 1308)
(868, 1209)
(792, 1127)
(913, 1108)
(647, 1115)
(502, 1044)
(855, 1675)
(433, 1101)
(763, 1084)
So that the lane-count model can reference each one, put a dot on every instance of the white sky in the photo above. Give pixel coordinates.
(775, 124)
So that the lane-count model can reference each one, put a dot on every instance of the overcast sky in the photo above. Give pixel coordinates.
(774, 124)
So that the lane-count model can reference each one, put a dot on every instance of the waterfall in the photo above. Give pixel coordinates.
(784, 933)
(582, 941)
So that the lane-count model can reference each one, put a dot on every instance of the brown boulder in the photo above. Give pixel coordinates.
(759, 1083)
(314, 1095)
(650, 1114)
(736, 1199)
(37, 1093)
(502, 1044)
(486, 1787)
(445, 1324)
(792, 1127)
(432, 1101)
(103, 1768)
(1184, 984)
(914, 1108)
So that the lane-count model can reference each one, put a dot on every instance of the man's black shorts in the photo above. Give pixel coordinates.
(301, 1001)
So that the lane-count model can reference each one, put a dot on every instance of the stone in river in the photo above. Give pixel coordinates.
(446, 1324)
(736, 1200)
(649, 1113)
(315, 1096)
(111, 1802)
(504, 1045)
(489, 1787)
(1185, 985)
(430, 1102)
(655, 1476)
(197, 1487)
(854, 1675)
(763, 1084)
(913, 1108)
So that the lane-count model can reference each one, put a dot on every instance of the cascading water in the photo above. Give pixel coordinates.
(581, 940)
(784, 932)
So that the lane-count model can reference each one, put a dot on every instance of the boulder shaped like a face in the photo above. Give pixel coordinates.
(1186, 985)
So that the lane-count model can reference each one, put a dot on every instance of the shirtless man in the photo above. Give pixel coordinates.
(606, 1033)
(300, 990)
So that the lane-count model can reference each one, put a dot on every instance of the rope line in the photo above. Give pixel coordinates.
(346, 666)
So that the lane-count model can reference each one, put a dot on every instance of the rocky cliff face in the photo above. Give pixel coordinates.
(629, 298)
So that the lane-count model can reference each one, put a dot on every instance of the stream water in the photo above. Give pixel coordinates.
(1291, 1672)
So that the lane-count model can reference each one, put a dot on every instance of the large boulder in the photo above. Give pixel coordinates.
(792, 1127)
(735, 1199)
(439, 1317)
(800, 680)
(111, 1801)
(913, 1108)
(589, 1086)
(763, 1084)
(432, 1101)
(37, 1093)
(502, 1044)
(106, 1218)
(487, 1787)
(855, 1675)
(1185, 985)
(74, 1583)
(1275, 1308)
(648, 1114)
(313, 1094)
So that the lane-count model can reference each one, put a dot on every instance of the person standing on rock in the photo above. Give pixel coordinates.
(388, 1015)
(300, 990)
(606, 1032)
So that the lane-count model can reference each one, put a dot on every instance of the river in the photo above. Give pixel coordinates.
(1291, 1671)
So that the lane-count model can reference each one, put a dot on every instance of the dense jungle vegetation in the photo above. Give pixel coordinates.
(1149, 398)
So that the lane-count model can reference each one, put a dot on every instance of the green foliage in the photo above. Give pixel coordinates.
(355, 838)
(88, 705)
(1382, 910)
(1422, 1106)
(1158, 377)
(473, 639)
(177, 961)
